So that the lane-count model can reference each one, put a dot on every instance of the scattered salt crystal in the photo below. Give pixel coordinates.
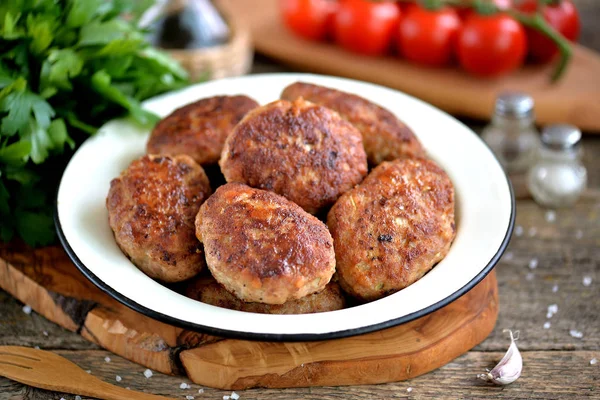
(77, 397)
(27, 309)
(184, 385)
(409, 389)
(128, 388)
(533, 263)
(225, 397)
(89, 371)
(509, 256)
(576, 334)
(554, 288)
(532, 231)
(550, 216)
(45, 333)
(546, 325)
(235, 396)
(36, 347)
(578, 234)
(62, 398)
(593, 361)
(189, 397)
(118, 378)
(200, 391)
(147, 373)
(553, 308)
(587, 280)
(107, 359)
(518, 230)
(530, 276)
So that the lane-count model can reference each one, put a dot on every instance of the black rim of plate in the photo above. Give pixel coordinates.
(293, 337)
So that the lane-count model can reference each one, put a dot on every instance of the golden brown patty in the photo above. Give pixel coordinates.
(209, 291)
(385, 137)
(199, 129)
(151, 210)
(262, 247)
(393, 228)
(299, 150)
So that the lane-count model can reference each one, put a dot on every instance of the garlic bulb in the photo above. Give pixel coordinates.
(509, 368)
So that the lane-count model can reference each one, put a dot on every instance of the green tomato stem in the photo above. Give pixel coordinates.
(538, 23)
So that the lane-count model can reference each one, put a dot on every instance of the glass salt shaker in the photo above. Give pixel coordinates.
(558, 177)
(513, 138)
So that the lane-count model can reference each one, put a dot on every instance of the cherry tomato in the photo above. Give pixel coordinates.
(428, 36)
(365, 26)
(491, 45)
(562, 16)
(310, 19)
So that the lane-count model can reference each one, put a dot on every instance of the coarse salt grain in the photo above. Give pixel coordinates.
(518, 230)
(147, 373)
(225, 397)
(593, 361)
(554, 288)
(509, 256)
(533, 263)
(77, 397)
(45, 333)
(107, 359)
(552, 309)
(550, 216)
(530, 276)
(27, 309)
(546, 325)
(532, 231)
(184, 386)
(235, 396)
(36, 347)
(200, 391)
(587, 280)
(409, 389)
(578, 234)
(189, 397)
(576, 334)
(89, 371)
(118, 378)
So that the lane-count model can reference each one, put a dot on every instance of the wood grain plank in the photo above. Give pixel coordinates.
(546, 375)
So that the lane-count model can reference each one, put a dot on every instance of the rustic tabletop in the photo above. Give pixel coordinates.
(558, 351)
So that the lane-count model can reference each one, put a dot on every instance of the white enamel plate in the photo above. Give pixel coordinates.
(484, 207)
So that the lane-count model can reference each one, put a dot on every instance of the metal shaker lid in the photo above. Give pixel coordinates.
(560, 136)
(514, 104)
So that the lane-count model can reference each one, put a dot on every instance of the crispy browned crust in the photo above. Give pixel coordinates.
(262, 247)
(385, 137)
(199, 129)
(208, 290)
(151, 210)
(393, 228)
(300, 150)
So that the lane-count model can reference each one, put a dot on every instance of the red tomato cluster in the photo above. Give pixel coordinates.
(483, 45)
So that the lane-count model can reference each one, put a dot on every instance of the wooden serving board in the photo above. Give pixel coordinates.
(47, 281)
(575, 99)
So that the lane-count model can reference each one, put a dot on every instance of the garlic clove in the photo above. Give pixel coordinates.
(509, 368)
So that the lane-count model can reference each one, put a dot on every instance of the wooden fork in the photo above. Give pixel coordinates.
(46, 370)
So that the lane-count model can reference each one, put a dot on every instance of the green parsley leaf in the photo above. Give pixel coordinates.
(40, 28)
(80, 12)
(15, 153)
(41, 143)
(60, 66)
(58, 134)
(102, 33)
(36, 228)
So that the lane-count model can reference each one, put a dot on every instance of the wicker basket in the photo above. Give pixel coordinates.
(231, 59)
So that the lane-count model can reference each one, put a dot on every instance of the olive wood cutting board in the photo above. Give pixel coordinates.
(46, 280)
(574, 99)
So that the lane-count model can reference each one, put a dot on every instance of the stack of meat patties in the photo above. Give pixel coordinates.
(285, 164)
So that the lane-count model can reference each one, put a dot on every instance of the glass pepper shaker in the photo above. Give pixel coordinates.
(558, 177)
(513, 137)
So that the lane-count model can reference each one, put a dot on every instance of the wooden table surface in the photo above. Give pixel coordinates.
(556, 364)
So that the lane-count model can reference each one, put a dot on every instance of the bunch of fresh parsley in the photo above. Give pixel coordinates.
(66, 67)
